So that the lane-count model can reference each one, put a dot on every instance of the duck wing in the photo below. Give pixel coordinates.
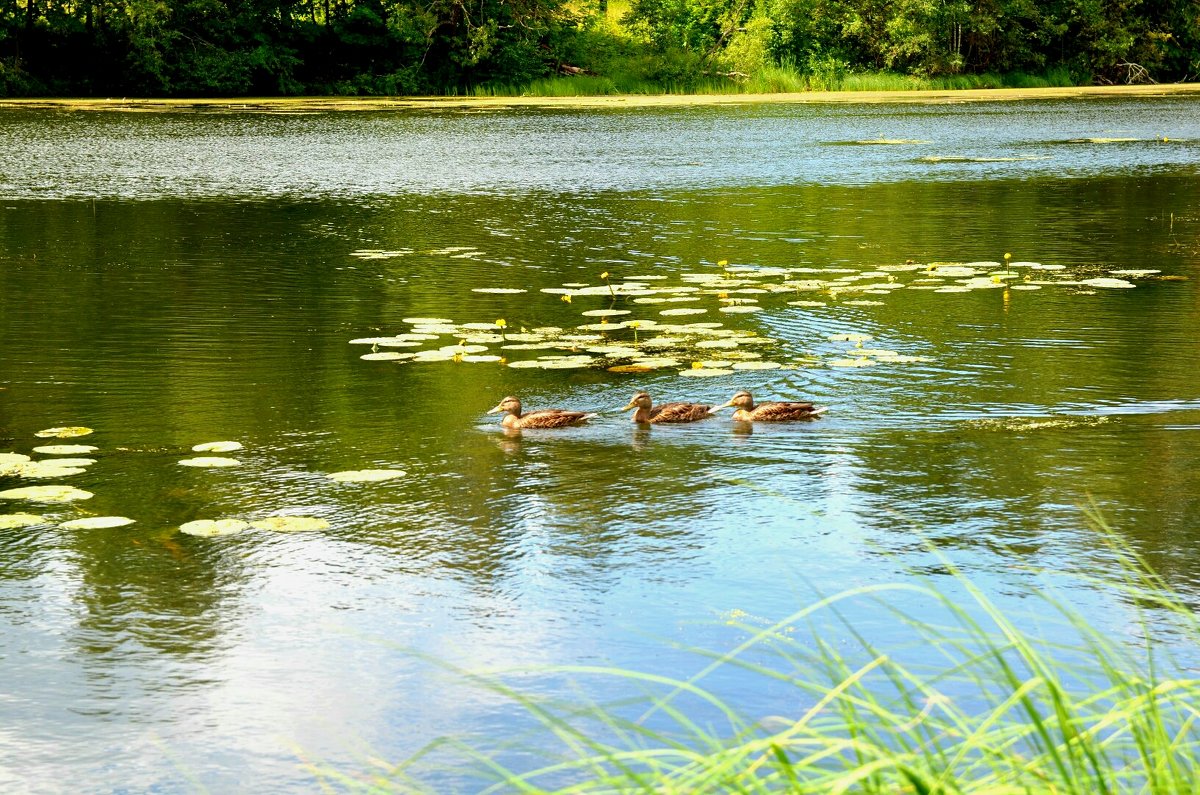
(679, 412)
(553, 418)
(785, 410)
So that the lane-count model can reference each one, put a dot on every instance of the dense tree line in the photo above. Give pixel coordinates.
(273, 47)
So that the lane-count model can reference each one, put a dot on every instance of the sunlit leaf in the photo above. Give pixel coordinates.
(385, 356)
(756, 365)
(70, 462)
(65, 449)
(290, 524)
(1134, 273)
(683, 311)
(499, 290)
(860, 362)
(606, 312)
(217, 447)
(97, 523)
(208, 528)
(366, 475)
(863, 303)
(427, 321)
(630, 368)
(46, 470)
(63, 433)
(1107, 282)
(46, 494)
(210, 461)
(10, 521)
(705, 372)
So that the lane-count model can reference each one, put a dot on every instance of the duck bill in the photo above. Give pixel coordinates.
(631, 405)
(715, 409)
(497, 410)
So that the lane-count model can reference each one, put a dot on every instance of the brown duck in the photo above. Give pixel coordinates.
(665, 412)
(782, 411)
(542, 418)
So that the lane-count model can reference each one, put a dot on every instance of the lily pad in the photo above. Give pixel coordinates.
(97, 523)
(756, 365)
(860, 362)
(427, 321)
(63, 433)
(1135, 273)
(683, 311)
(705, 372)
(499, 290)
(386, 356)
(290, 524)
(70, 462)
(46, 470)
(9, 459)
(46, 494)
(1105, 282)
(207, 528)
(863, 303)
(10, 521)
(217, 447)
(206, 462)
(480, 357)
(850, 337)
(366, 475)
(606, 312)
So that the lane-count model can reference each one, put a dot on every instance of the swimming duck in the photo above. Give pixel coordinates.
(542, 418)
(782, 411)
(665, 412)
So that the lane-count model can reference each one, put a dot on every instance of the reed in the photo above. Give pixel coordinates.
(1003, 707)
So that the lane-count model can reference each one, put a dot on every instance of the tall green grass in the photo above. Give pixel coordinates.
(981, 703)
(772, 79)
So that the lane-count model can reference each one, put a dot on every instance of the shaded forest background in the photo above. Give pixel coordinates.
(387, 47)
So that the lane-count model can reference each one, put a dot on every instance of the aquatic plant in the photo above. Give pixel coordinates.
(980, 702)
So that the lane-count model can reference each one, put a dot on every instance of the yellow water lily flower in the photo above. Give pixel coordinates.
(566, 298)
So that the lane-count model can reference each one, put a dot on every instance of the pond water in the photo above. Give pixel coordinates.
(174, 279)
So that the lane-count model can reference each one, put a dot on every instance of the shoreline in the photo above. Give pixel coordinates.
(324, 104)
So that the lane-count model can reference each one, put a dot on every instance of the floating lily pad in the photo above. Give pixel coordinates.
(606, 312)
(850, 337)
(654, 362)
(366, 475)
(756, 365)
(63, 433)
(290, 524)
(97, 523)
(386, 356)
(10, 521)
(863, 303)
(46, 494)
(683, 311)
(427, 321)
(210, 461)
(1106, 282)
(525, 364)
(1044, 267)
(1135, 273)
(1026, 287)
(631, 368)
(705, 372)
(860, 362)
(46, 470)
(70, 462)
(812, 304)
(499, 290)
(480, 357)
(207, 528)
(217, 447)
(724, 343)
(12, 458)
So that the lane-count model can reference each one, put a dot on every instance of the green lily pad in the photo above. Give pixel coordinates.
(386, 356)
(1105, 282)
(756, 365)
(366, 475)
(46, 470)
(499, 290)
(705, 372)
(46, 494)
(479, 357)
(217, 447)
(683, 311)
(205, 462)
(606, 312)
(63, 433)
(71, 463)
(290, 524)
(427, 321)
(97, 523)
(1026, 287)
(208, 528)
(11, 459)
(10, 521)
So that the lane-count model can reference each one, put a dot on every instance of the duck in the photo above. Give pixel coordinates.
(780, 411)
(541, 418)
(665, 412)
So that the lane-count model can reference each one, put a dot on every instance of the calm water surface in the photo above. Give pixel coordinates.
(176, 279)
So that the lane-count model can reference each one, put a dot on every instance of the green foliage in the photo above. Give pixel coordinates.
(281, 47)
